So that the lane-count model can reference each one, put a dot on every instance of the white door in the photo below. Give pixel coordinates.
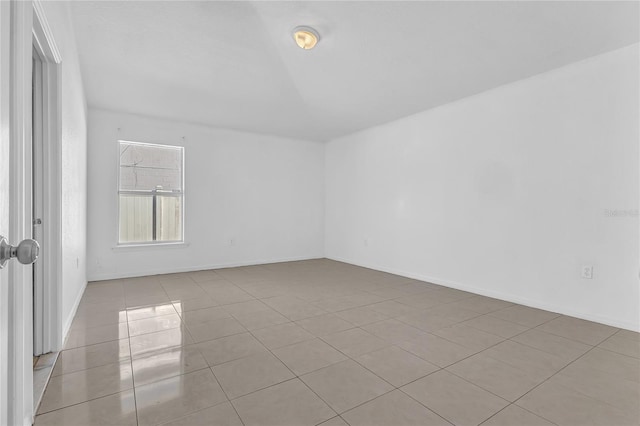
(16, 343)
(4, 205)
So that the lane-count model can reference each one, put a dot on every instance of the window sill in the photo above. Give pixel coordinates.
(145, 247)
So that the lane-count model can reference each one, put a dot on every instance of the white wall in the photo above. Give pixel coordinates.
(74, 161)
(504, 193)
(264, 193)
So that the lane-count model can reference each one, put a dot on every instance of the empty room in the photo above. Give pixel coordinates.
(291, 213)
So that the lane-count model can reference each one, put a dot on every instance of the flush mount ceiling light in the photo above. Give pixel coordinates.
(305, 37)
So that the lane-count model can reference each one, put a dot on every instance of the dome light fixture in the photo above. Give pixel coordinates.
(305, 37)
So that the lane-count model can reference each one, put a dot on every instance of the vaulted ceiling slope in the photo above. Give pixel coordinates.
(234, 64)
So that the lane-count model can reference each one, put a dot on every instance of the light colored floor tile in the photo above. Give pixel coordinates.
(205, 275)
(77, 359)
(215, 329)
(400, 330)
(628, 334)
(185, 305)
(229, 295)
(455, 399)
(167, 363)
(250, 374)
(468, 336)
(90, 308)
(78, 337)
(204, 315)
(221, 414)
(516, 416)
(308, 356)
(80, 386)
(622, 344)
(154, 324)
(537, 364)
(136, 314)
(300, 311)
(455, 313)
(396, 365)
(482, 304)
(282, 335)
(436, 350)
(566, 349)
(392, 309)
(184, 291)
(260, 319)
(355, 342)
(288, 403)
(394, 408)
(114, 410)
(501, 379)
(95, 319)
(583, 331)
(336, 421)
(496, 326)
(139, 301)
(394, 331)
(176, 397)
(248, 307)
(345, 385)
(524, 315)
(428, 321)
(146, 344)
(598, 384)
(324, 324)
(564, 406)
(617, 365)
(230, 348)
(361, 316)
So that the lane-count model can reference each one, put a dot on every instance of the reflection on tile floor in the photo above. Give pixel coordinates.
(323, 342)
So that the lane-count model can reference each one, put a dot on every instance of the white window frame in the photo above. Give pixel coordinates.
(167, 193)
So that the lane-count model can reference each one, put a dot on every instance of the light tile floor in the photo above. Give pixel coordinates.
(322, 342)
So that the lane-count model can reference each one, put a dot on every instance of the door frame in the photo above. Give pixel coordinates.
(22, 23)
(51, 293)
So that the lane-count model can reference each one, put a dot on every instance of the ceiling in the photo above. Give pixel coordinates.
(235, 65)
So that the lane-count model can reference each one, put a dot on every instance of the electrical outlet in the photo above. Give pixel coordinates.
(587, 272)
(232, 242)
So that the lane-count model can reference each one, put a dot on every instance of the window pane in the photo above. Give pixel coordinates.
(169, 218)
(136, 218)
(146, 167)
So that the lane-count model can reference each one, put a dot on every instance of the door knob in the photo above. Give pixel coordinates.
(26, 252)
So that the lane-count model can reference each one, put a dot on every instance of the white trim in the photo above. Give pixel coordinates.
(497, 295)
(173, 270)
(52, 165)
(74, 309)
(38, 234)
(41, 375)
(45, 35)
(150, 246)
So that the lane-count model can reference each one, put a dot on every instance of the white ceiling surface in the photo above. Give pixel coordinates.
(235, 65)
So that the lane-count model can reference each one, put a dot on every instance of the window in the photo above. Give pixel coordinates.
(151, 193)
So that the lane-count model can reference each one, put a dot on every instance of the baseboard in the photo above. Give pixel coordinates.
(72, 314)
(174, 269)
(614, 322)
